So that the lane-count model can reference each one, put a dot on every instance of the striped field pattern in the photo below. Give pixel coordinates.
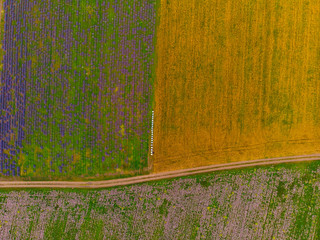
(76, 87)
(232, 81)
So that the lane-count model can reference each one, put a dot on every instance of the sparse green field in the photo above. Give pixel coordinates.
(278, 202)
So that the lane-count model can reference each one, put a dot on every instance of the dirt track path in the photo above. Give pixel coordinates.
(158, 176)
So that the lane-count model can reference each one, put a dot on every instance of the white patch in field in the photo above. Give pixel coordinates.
(151, 145)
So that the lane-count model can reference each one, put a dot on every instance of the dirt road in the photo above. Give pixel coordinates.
(154, 177)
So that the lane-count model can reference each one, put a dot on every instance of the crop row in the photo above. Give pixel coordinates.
(77, 83)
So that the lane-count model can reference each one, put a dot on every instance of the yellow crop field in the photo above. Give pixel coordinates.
(236, 80)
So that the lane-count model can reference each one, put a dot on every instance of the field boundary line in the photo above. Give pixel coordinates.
(157, 176)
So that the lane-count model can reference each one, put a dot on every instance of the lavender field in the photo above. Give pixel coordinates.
(279, 202)
(76, 88)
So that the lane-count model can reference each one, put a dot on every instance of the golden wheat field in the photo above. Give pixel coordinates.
(236, 80)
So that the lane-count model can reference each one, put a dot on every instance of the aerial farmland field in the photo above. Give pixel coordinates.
(103, 89)
(76, 88)
(228, 82)
(236, 80)
(278, 202)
